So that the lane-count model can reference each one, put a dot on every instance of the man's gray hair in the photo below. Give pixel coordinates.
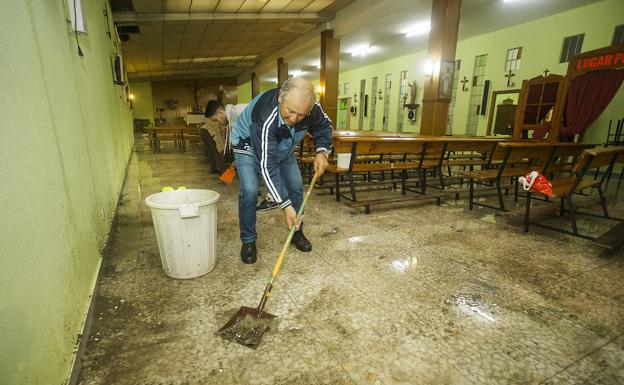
(304, 87)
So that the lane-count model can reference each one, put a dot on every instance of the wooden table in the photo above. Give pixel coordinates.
(171, 133)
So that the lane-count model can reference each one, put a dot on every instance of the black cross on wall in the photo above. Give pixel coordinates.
(463, 82)
(509, 76)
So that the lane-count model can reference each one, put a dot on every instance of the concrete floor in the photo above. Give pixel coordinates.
(412, 295)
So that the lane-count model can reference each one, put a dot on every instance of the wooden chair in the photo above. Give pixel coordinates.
(518, 158)
(565, 187)
(468, 154)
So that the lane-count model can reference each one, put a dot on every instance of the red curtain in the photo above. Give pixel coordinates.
(588, 96)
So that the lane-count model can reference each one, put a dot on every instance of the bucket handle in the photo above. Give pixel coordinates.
(189, 211)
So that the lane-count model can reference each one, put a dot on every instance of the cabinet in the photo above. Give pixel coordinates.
(540, 102)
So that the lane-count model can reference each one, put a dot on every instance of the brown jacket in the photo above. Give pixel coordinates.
(218, 133)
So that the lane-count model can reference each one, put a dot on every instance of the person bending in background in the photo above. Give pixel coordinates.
(221, 121)
(215, 132)
(264, 139)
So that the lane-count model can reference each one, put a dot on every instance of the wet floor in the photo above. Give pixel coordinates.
(407, 295)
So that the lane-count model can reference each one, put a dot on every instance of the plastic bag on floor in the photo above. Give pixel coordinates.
(537, 182)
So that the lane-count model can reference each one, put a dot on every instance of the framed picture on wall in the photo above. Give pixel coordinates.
(445, 89)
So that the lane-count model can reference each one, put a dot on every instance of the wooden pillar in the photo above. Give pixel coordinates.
(282, 71)
(330, 58)
(255, 85)
(440, 50)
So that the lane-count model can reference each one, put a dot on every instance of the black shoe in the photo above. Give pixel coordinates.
(266, 205)
(248, 252)
(301, 242)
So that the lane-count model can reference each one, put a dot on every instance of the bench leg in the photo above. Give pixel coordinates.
(337, 187)
(367, 209)
(403, 178)
(499, 191)
(603, 202)
(471, 193)
(516, 191)
(527, 211)
(423, 179)
(572, 216)
(352, 186)
(561, 208)
(441, 178)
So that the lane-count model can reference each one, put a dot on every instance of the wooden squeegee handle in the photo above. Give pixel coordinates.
(280, 259)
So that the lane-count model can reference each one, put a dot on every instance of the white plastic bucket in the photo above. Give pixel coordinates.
(186, 230)
(343, 160)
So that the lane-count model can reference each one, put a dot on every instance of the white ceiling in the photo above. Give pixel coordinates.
(228, 38)
(383, 23)
(210, 38)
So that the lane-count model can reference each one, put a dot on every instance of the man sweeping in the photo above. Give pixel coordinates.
(264, 139)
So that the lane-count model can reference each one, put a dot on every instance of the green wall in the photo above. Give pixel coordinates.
(143, 107)
(541, 41)
(265, 86)
(66, 140)
(243, 92)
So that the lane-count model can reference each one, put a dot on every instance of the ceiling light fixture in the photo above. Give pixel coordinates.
(296, 73)
(418, 29)
(362, 51)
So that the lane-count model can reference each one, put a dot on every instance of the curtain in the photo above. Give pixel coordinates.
(588, 96)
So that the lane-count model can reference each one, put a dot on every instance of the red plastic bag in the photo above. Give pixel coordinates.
(537, 182)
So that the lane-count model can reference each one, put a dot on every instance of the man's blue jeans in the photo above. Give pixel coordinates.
(248, 169)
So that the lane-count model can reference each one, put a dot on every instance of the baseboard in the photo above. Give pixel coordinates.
(86, 329)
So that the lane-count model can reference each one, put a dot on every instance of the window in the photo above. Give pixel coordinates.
(512, 62)
(618, 35)
(570, 47)
(373, 113)
(362, 106)
(451, 109)
(402, 99)
(76, 17)
(387, 92)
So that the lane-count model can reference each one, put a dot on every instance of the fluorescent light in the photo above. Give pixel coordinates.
(418, 29)
(296, 73)
(362, 50)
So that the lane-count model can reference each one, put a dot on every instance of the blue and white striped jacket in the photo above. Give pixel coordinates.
(261, 132)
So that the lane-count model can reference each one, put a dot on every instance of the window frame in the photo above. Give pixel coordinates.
(566, 47)
(618, 31)
(76, 19)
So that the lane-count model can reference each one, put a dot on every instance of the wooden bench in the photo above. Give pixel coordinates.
(170, 134)
(382, 155)
(565, 187)
(366, 155)
(518, 158)
(368, 203)
(467, 153)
